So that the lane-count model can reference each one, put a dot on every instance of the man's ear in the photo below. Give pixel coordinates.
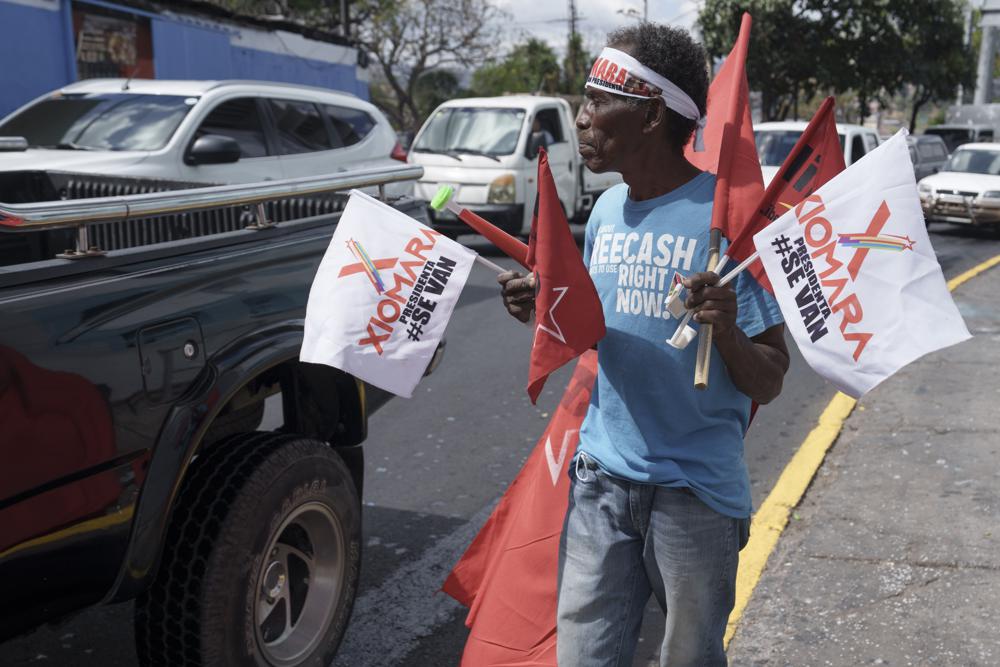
(655, 118)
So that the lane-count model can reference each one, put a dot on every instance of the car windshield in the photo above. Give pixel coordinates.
(953, 136)
(773, 146)
(972, 161)
(100, 121)
(472, 129)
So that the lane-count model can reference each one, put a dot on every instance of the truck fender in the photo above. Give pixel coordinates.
(187, 422)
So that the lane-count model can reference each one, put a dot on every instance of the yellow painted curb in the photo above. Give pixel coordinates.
(772, 517)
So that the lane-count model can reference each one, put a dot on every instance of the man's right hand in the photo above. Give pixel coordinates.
(518, 292)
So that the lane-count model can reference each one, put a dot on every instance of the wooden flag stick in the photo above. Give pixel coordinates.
(704, 357)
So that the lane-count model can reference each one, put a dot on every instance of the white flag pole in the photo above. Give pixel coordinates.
(739, 268)
(488, 264)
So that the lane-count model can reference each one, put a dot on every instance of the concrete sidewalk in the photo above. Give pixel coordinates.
(893, 556)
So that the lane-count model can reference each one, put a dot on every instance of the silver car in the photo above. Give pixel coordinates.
(212, 132)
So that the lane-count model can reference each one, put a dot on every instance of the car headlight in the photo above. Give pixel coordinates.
(925, 190)
(502, 190)
(990, 194)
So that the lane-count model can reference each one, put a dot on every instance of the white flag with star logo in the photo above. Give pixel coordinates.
(855, 274)
(383, 295)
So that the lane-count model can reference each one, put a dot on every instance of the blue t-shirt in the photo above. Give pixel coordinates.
(646, 421)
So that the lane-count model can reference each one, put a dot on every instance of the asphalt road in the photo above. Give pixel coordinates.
(437, 463)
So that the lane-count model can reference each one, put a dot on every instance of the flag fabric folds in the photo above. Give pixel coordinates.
(815, 159)
(569, 319)
(855, 275)
(507, 577)
(383, 295)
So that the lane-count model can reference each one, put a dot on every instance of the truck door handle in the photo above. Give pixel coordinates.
(569, 166)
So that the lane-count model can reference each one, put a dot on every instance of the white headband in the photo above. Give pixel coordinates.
(619, 73)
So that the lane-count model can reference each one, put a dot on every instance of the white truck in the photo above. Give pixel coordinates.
(486, 150)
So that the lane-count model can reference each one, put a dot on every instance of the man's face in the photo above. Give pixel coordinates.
(609, 131)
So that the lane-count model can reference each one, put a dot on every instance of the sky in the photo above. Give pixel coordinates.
(546, 20)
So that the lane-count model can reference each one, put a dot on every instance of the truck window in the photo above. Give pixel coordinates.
(350, 126)
(773, 146)
(550, 122)
(857, 148)
(300, 127)
(930, 150)
(871, 142)
(986, 135)
(239, 120)
(489, 130)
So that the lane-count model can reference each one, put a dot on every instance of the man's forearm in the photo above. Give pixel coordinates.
(756, 368)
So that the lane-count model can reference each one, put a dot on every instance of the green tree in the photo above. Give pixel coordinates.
(870, 47)
(780, 61)
(435, 87)
(861, 47)
(576, 66)
(408, 39)
(936, 58)
(531, 66)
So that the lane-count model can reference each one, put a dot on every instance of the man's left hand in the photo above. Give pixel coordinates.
(711, 305)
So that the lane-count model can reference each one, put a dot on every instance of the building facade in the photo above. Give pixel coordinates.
(46, 44)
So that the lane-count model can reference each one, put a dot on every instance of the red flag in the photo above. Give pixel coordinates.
(507, 577)
(569, 319)
(730, 150)
(816, 158)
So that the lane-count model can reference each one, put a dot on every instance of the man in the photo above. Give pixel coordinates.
(540, 137)
(660, 498)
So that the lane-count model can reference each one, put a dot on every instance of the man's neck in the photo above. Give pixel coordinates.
(656, 174)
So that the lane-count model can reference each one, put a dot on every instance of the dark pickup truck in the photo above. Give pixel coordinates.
(135, 367)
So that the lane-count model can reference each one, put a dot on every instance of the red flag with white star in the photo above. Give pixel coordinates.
(569, 319)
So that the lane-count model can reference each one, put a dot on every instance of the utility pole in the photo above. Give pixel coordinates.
(989, 22)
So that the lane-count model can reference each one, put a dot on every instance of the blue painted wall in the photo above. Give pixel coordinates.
(37, 55)
(186, 51)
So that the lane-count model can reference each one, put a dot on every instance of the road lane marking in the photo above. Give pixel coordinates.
(772, 517)
(390, 620)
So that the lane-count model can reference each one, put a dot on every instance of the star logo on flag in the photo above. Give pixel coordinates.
(555, 331)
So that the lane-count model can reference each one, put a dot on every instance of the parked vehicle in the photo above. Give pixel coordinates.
(958, 134)
(132, 387)
(177, 133)
(485, 149)
(928, 153)
(775, 141)
(967, 190)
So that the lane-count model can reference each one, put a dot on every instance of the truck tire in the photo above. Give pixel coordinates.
(261, 560)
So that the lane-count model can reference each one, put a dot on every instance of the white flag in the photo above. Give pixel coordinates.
(383, 295)
(855, 274)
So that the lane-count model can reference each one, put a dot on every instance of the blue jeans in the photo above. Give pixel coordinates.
(623, 541)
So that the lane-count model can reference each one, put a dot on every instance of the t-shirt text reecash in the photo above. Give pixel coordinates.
(645, 264)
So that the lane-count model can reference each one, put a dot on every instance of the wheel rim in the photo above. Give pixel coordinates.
(298, 584)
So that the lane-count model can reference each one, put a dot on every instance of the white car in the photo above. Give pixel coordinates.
(775, 141)
(967, 189)
(211, 132)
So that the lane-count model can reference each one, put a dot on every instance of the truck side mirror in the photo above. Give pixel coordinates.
(536, 140)
(213, 149)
